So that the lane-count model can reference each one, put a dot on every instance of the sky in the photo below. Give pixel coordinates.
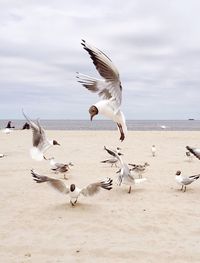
(154, 44)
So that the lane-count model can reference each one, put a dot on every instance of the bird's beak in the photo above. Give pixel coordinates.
(91, 117)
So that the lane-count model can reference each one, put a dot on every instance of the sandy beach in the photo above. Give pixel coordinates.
(155, 223)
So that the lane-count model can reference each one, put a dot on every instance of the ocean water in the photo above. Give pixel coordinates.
(133, 125)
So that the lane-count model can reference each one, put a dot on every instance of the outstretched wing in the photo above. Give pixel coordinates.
(111, 87)
(94, 188)
(113, 153)
(38, 133)
(55, 183)
(194, 151)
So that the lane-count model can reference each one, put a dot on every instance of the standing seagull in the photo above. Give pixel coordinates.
(73, 190)
(40, 142)
(185, 180)
(109, 88)
(188, 154)
(153, 150)
(113, 160)
(59, 167)
(194, 151)
(139, 168)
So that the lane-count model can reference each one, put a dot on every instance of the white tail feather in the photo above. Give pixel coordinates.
(141, 180)
(36, 154)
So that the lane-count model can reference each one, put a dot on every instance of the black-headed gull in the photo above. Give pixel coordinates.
(153, 150)
(59, 167)
(40, 142)
(185, 180)
(73, 191)
(194, 151)
(139, 168)
(109, 88)
(113, 160)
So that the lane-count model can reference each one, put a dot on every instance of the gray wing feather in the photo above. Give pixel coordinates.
(111, 87)
(39, 136)
(55, 183)
(94, 188)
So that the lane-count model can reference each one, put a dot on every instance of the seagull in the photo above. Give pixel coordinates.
(73, 190)
(113, 160)
(115, 151)
(194, 151)
(125, 176)
(109, 88)
(188, 154)
(59, 167)
(139, 168)
(2, 155)
(40, 142)
(185, 180)
(153, 150)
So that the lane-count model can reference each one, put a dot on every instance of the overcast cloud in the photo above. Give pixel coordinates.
(154, 44)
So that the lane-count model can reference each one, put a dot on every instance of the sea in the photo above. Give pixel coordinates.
(133, 125)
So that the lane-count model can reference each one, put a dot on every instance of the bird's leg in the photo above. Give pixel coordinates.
(129, 191)
(121, 132)
(181, 187)
(73, 204)
(184, 189)
(65, 177)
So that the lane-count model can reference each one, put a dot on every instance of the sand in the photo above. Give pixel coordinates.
(155, 223)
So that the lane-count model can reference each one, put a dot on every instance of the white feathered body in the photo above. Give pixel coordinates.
(37, 153)
(109, 109)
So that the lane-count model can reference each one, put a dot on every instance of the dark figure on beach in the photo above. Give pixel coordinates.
(26, 126)
(9, 125)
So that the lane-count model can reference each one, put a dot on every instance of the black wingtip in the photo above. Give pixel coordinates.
(83, 43)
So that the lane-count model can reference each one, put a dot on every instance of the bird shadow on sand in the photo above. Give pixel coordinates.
(79, 206)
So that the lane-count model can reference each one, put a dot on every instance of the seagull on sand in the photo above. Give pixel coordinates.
(194, 151)
(73, 191)
(139, 168)
(113, 160)
(59, 167)
(109, 88)
(189, 155)
(185, 180)
(153, 150)
(40, 142)
(124, 172)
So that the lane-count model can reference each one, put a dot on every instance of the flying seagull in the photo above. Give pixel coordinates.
(185, 180)
(194, 151)
(109, 88)
(40, 142)
(73, 190)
